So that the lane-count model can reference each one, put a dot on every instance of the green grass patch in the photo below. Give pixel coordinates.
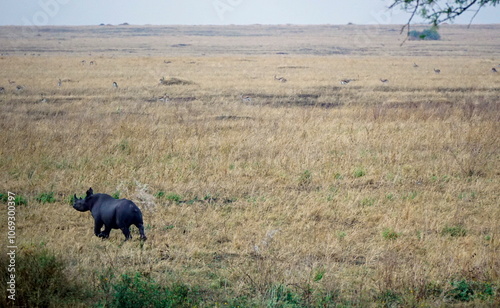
(41, 280)
(135, 290)
(46, 198)
(18, 199)
(466, 291)
(454, 231)
(390, 234)
(360, 172)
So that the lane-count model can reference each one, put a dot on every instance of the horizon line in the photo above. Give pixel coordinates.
(125, 24)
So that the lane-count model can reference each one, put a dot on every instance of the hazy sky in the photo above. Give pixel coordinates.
(201, 12)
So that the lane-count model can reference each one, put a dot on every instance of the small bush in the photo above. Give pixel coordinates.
(18, 199)
(169, 196)
(41, 280)
(454, 231)
(137, 291)
(160, 194)
(359, 173)
(320, 273)
(427, 34)
(465, 291)
(46, 198)
(390, 234)
(173, 197)
(341, 235)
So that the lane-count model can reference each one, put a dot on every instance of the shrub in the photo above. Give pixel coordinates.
(359, 173)
(160, 194)
(137, 291)
(319, 275)
(427, 34)
(390, 234)
(169, 196)
(454, 231)
(46, 198)
(41, 280)
(18, 199)
(173, 197)
(465, 291)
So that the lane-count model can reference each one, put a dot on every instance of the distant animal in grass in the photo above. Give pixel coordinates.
(494, 70)
(384, 80)
(437, 70)
(280, 79)
(115, 85)
(246, 98)
(415, 64)
(2, 90)
(111, 213)
(164, 98)
(345, 81)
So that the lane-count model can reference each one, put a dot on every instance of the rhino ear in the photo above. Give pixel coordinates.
(75, 198)
(90, 192)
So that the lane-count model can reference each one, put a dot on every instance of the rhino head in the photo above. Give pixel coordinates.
(81, 204)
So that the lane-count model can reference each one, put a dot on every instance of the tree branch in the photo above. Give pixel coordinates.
(457, 12)
(478, 9)
(409, 21)
(432, 10)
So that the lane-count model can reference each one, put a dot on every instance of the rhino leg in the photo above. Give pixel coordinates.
(141, 231)
(105, 233)
(97, 228)
(126, 232)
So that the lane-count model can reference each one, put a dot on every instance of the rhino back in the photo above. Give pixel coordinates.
(116, 213)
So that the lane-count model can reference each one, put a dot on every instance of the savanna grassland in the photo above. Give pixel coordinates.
(255, 192)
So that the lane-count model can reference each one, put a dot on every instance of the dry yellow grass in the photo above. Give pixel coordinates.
(360, 181)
